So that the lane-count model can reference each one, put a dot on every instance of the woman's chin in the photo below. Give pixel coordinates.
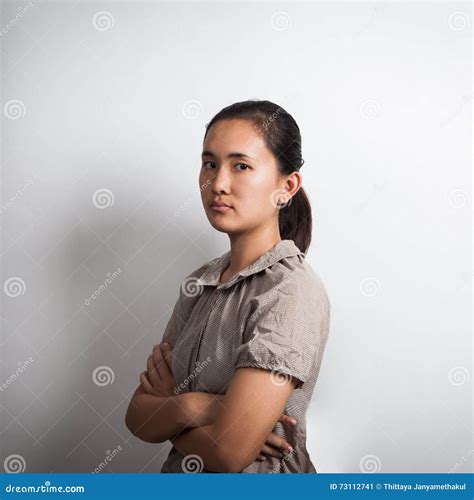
(220, 226)
(219, 223)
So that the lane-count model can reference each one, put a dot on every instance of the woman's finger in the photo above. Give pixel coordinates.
(260, 457)
(153, 376)
(271, 451)
(278, 442)
(166, 348)
(146, 383)
(285, 419)
(160, 362)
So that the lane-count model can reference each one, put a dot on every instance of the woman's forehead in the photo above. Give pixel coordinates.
(234, 136)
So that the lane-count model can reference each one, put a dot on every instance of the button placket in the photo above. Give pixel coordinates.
(216, 294)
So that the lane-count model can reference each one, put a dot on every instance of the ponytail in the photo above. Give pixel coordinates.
(295, 221)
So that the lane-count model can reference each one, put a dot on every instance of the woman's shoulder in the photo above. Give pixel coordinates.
(312, 280)
(191, 284)
(293, 278)
(199, 271)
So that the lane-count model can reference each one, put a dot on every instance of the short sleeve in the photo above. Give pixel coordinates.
(288, 331)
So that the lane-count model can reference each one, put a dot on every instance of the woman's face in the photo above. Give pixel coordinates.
(238, 169)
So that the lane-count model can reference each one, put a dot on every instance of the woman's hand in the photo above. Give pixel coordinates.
(276, 446)
(158, 379)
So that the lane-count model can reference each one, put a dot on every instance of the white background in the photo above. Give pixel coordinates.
(382, 93)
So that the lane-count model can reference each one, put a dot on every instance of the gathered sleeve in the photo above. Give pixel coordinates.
(287, 332)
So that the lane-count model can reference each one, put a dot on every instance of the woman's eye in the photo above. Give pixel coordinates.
(243, 164)
(206, 162)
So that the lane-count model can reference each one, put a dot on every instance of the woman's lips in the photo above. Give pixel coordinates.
(221, 208)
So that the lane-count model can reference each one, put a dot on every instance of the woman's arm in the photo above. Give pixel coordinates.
(155, 419)
(156, 413)
(250, 410)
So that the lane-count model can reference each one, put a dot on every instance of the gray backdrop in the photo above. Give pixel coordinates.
(103, 113)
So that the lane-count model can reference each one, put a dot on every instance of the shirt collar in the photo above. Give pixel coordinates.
(284, 248)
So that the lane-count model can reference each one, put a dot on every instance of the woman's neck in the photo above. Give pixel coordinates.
(245, 250)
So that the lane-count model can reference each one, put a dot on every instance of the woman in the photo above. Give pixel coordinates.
(246, 337)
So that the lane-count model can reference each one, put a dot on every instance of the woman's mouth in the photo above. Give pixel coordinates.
(221, 208)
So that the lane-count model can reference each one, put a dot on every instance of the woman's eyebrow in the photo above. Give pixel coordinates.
(230, 155)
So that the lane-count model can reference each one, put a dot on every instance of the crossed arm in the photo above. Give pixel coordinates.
(228, 432)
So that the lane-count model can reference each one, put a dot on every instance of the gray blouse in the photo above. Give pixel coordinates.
(274, 314)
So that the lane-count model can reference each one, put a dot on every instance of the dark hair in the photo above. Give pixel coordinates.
(282, 136)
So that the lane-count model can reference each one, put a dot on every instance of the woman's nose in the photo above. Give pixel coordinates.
(221, 180)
